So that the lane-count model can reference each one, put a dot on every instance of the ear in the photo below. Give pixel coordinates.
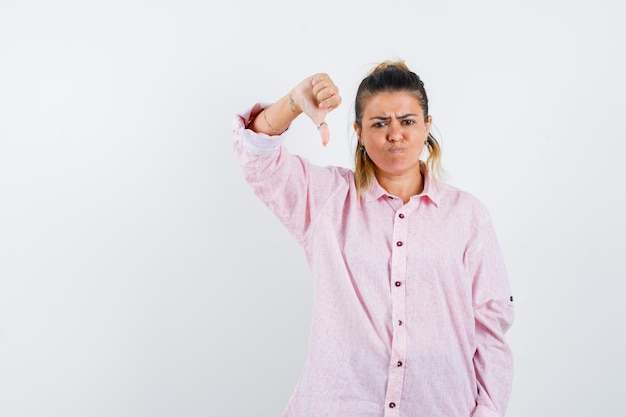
(429, 122)
(357, 130)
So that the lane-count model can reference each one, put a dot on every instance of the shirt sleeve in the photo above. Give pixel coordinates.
(493, 313)
(294, 189)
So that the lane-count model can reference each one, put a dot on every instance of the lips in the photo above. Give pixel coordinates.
(396, 149)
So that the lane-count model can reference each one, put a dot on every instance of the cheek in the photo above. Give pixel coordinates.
(368, 139)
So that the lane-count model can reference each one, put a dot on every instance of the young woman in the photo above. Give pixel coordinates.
(411, 301)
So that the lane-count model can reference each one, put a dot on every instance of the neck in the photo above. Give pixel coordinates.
(404, 186)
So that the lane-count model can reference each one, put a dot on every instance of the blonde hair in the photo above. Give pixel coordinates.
(390, 76)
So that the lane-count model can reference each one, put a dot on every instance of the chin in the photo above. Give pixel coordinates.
(401, 167)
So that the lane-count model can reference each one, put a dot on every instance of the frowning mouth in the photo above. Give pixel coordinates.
(397, 149)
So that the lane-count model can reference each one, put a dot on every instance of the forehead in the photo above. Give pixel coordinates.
(390, 103)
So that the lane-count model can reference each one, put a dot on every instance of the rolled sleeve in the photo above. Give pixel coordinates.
(255, 143)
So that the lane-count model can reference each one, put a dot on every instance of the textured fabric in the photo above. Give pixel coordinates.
(411, 301)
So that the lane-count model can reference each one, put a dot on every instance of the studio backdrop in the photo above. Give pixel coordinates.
(139, 274)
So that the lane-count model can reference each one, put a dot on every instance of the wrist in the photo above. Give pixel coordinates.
(272, 129)
(294, 102)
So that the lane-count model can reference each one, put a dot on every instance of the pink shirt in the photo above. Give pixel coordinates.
(411, 301)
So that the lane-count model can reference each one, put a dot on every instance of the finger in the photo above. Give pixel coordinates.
(320, 78)
(319, 84)
(328, 97)
(325, 91)
(331, 102)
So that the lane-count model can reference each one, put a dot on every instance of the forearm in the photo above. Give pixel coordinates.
(493, 314)
(276, 118)
(289, 185)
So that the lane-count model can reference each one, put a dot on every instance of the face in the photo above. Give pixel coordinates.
(393, 133)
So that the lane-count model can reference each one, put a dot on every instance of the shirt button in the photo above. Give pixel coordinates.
(399, 363)
(401, 215)
(392, 405)
(398, 283)
(399, 322)
(511, 298)
(399, 243)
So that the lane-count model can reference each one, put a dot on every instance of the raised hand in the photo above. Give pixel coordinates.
(316, 96)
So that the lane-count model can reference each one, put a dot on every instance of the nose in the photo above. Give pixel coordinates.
(395, 131)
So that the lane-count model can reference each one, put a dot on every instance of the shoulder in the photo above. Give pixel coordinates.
(335, 171)
(462, 202)
(330, 177)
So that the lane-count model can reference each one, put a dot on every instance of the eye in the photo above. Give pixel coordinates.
(379, 124)
(408, 122)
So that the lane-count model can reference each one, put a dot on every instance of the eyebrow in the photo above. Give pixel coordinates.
(405, 116)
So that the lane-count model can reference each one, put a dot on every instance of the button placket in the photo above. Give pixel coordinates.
(398, 300)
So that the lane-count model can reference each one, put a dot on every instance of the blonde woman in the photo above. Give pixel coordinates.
(411, 296)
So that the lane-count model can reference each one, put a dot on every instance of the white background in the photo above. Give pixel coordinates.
(139, 276)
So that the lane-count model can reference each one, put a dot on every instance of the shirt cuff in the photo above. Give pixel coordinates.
(482, 411)
(253, 142)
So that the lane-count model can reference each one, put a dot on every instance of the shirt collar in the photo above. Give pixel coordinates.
(431, 189)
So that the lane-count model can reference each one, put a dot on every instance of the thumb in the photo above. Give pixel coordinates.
(322, 127)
